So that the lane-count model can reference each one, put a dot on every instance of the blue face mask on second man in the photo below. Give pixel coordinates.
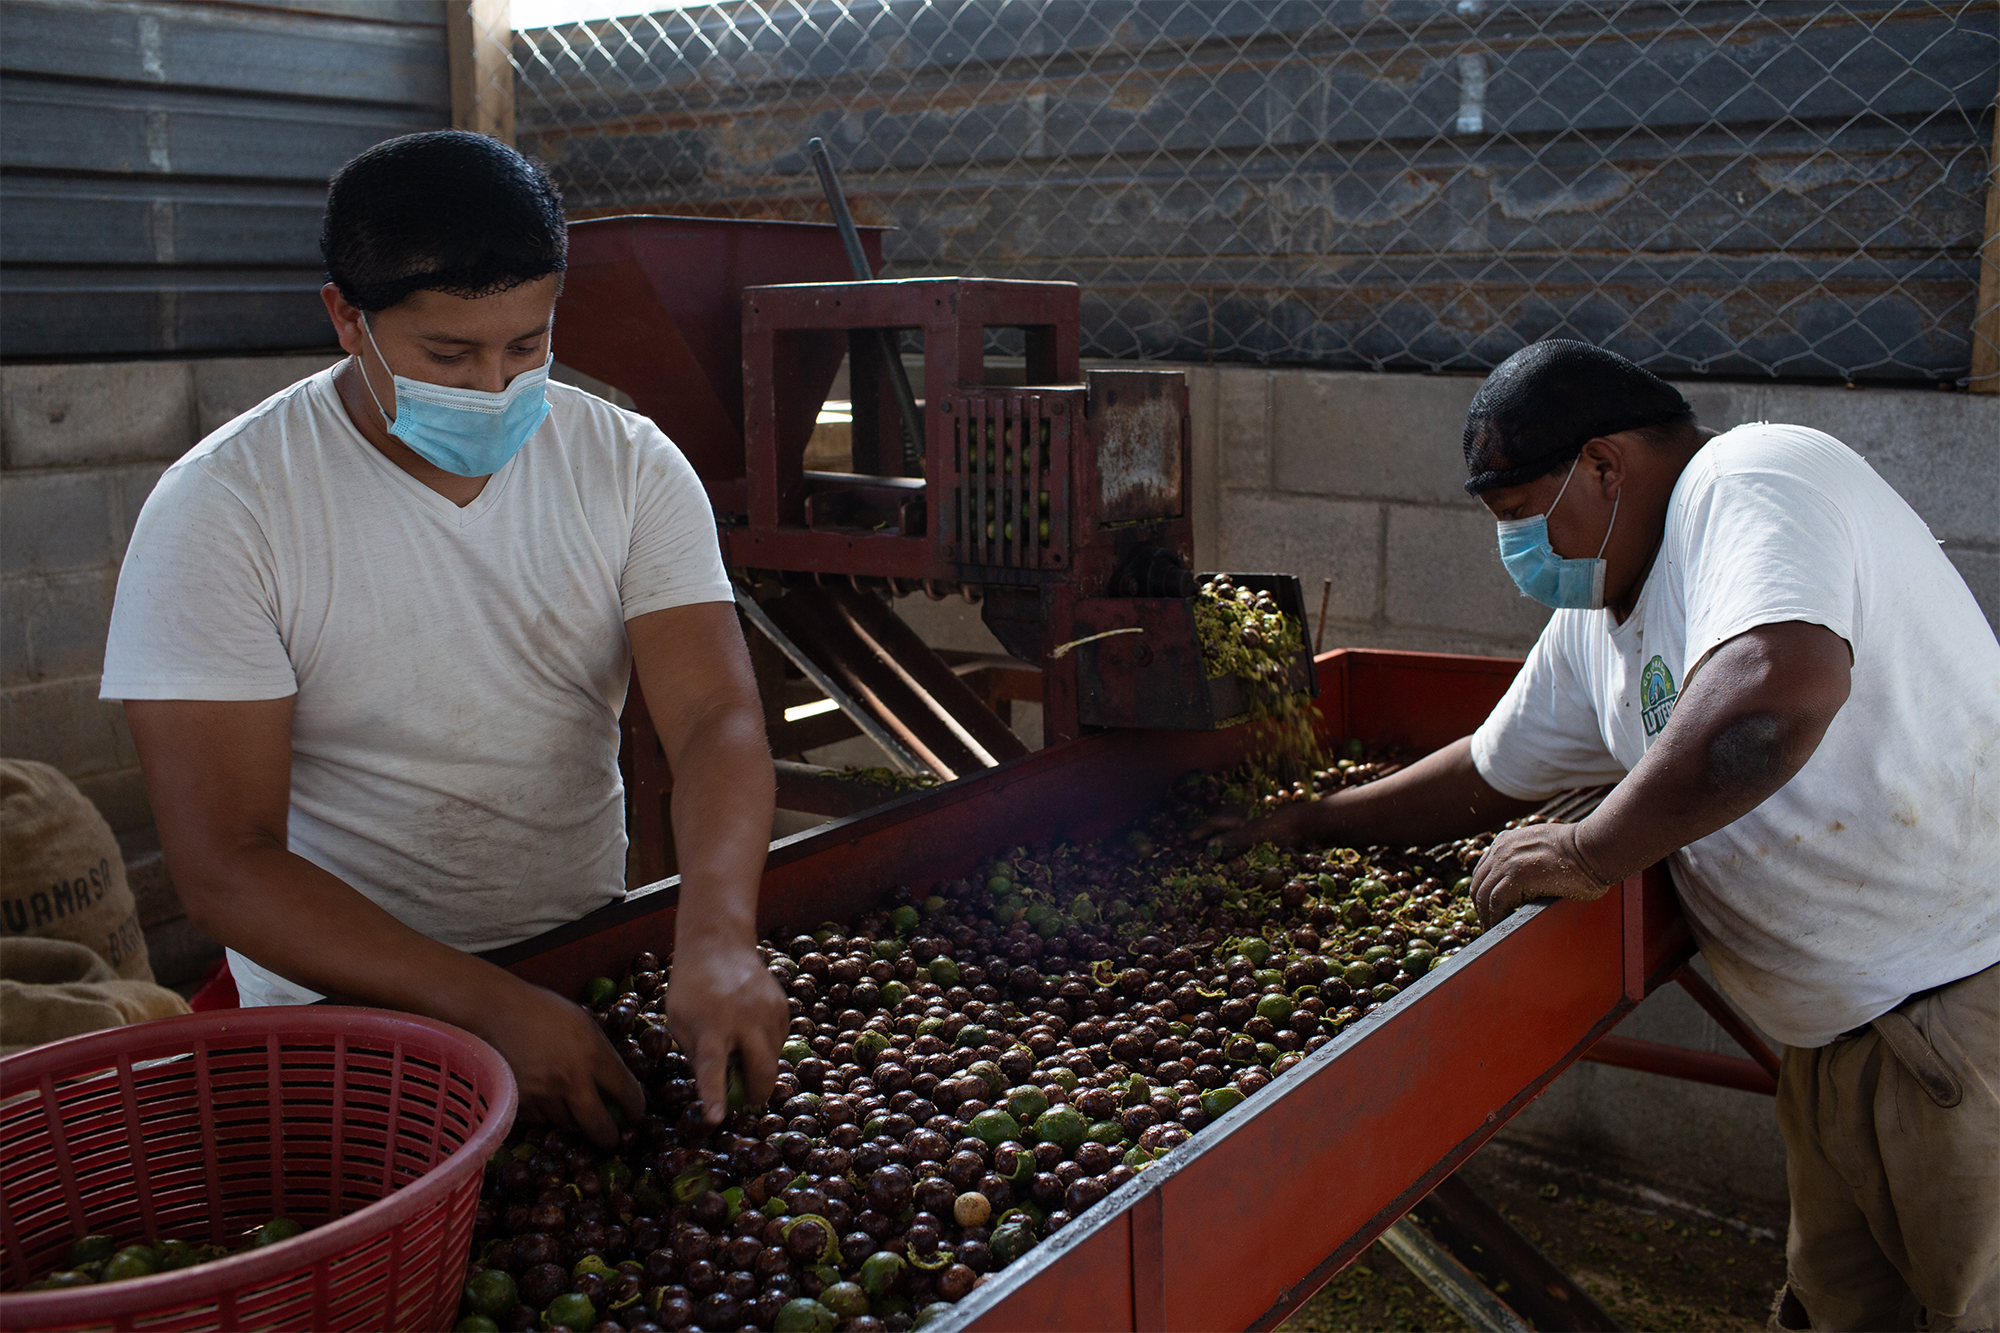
(467, 432)
(1542, 574)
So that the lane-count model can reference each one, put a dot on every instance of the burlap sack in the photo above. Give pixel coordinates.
(61, 874)
(51, 989)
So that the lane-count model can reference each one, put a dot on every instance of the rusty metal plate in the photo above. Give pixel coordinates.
(1156, 678)
(1139, 420)
(652, 305)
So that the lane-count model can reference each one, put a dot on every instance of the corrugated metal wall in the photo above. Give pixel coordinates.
(163, 166)
(1787, 188)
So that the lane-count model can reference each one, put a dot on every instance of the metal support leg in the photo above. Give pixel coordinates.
(1759, 1073)
(1451, 1281)
(1725, 1017)
(1476, 1232)
(861, 717)
(1655, 1057)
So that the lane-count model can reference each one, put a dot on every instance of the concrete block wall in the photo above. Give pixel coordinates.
(80, 448)
(1358, 477)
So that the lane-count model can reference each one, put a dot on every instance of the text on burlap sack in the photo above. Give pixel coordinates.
(31, 911)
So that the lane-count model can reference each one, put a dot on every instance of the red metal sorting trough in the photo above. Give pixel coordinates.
(1240, 1225)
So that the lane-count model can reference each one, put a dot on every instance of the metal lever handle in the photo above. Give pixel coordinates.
(836, 200)
(899, 380)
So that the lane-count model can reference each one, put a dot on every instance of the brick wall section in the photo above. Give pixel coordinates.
(80, 448)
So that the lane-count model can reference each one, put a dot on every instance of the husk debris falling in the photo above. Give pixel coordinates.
(1244, 634)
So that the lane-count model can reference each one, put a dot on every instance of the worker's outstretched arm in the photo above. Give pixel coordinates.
(1436, 799)
(699, 688)
(219, 775)
(1749, 718)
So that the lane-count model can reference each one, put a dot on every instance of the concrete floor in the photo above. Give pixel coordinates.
(1654, 1257)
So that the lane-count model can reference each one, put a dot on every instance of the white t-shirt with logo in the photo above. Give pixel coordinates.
(459, 671)
(1875, 872)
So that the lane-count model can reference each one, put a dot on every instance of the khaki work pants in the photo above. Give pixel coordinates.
(1892, 1152)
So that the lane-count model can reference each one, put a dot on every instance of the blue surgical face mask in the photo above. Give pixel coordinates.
(467, 432)
(1542, 574)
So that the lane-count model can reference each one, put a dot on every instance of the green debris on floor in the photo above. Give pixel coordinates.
(1660, 1266)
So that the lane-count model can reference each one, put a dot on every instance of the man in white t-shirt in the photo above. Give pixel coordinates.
(374, 636)
(1761, 644)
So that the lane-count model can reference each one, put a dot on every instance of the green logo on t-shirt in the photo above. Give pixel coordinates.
(1656, 696)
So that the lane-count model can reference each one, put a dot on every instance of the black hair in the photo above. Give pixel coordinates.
(445, 211)
(1541, 405)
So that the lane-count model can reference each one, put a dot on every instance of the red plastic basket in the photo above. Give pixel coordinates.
(371, 1128)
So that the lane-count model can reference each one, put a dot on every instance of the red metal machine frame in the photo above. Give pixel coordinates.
(781, 323)
(1063, 499)
(1108, 453)
(1239, 1226)
(639, 310)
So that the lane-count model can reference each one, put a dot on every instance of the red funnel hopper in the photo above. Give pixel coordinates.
(653, 306)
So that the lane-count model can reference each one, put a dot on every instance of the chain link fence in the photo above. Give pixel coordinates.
(1739, 189)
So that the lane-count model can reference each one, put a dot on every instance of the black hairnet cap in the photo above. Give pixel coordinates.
(445, 210)
(1541, 405)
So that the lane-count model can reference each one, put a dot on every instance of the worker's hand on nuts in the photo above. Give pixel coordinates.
(1230, 831)
(1539, 861)
(721, 1001)
(563, 1064)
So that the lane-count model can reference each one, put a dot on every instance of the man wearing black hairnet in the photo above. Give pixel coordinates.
(375, 634)
(1761, 644)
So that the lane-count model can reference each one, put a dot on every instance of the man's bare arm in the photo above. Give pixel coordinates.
(1743, 726)
(702, 695)
(1436, 799)
(219, 776)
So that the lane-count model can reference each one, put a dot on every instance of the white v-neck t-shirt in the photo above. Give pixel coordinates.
(459, 671)
(1875, 872)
